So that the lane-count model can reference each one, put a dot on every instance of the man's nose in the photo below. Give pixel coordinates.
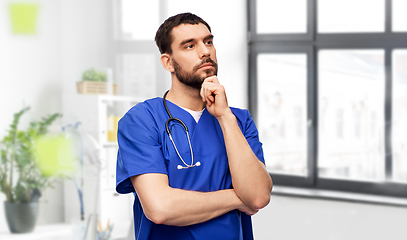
(204, 51)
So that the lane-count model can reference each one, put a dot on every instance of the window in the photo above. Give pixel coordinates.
(399, 116)
(281, 118)
(329, 93)
(344, 16)
(352, 82)
(271, 13)
(398, 17)
(134, 23)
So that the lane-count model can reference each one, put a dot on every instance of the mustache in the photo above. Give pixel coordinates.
(204, 61)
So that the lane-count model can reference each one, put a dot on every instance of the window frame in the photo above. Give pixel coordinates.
(311, 43)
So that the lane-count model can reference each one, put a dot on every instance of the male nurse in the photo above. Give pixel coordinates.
(201, 181)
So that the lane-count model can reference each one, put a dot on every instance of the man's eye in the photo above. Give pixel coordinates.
(209, 42)
(189, 46)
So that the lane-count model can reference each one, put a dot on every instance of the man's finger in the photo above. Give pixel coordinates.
(212, 79)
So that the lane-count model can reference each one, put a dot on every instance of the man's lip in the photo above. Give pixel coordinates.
(206, 66)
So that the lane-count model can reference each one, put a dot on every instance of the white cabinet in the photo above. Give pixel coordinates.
(95, 117)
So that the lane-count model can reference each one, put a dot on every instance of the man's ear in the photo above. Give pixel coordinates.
(166, 62)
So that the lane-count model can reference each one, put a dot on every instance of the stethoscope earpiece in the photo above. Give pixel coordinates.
(173, 143)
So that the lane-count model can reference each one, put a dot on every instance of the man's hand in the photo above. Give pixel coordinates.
(214, 95)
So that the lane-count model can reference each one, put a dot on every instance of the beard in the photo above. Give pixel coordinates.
(193, 79)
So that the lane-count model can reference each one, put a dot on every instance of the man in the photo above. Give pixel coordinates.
(198, 181)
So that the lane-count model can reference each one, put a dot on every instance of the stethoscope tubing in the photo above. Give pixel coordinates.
(167, 128)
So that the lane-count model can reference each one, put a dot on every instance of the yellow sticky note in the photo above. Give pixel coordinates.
(55, 154)
(23, 18)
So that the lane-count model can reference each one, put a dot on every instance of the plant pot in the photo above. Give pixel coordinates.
(89, 87)
(21, 217)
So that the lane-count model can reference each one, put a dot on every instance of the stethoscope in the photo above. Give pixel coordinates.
(173, 143)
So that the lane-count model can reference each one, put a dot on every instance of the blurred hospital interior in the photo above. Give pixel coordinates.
(325, 82)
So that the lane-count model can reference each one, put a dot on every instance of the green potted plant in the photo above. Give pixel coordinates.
(94, 82)
(21, 179)
(93, 76)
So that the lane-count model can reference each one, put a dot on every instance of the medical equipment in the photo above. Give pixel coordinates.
(173, 143)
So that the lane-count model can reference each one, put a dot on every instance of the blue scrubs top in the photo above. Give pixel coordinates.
(144, 147)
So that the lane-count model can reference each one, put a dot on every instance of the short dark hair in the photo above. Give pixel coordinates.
(163, 37)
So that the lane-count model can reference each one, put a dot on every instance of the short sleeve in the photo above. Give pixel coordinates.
(139, 147)
(252, 136)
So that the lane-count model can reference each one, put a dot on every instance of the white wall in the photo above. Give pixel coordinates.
(292, 218)
(30, 65)
(84, 39)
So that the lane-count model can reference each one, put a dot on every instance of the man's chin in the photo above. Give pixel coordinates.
(197, 84)
(208, 73)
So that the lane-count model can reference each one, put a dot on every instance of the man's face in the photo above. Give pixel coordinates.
(193, 54)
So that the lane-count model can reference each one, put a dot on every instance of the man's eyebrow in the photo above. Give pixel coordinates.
(210, 36)
(187, 41)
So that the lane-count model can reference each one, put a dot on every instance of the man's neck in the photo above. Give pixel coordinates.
(186, 97)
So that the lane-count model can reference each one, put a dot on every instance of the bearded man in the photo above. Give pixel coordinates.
(194, 164)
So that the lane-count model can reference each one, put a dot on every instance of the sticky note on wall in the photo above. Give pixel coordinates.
(23, 18)
(55, 154)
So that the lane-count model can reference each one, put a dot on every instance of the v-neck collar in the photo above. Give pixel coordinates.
(178, 112)
(195, 114)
